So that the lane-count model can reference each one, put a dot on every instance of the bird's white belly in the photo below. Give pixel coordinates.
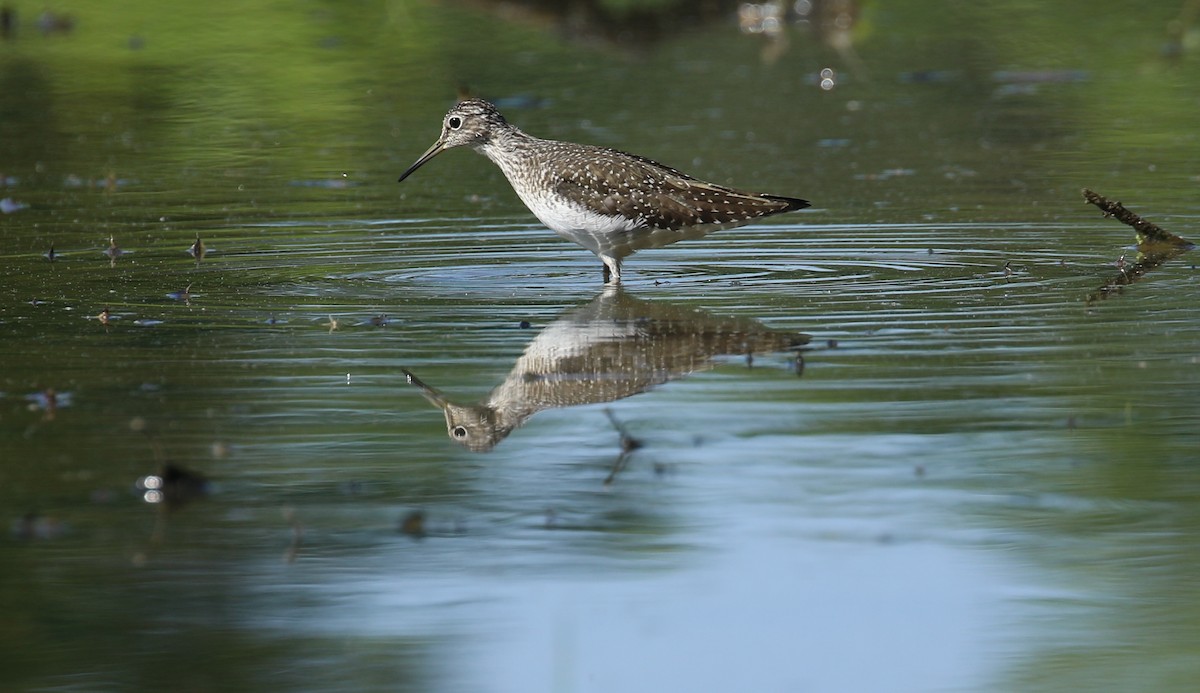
(602, 234)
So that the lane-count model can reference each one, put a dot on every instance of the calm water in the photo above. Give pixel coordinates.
(973, 476)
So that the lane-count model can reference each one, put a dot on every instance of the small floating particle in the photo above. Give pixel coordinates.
(9, 205)
(113, 251)
(524, 324)
(49, 401)
(380, 320)
(197, 248)
(185, 295)
(413, 524)
(332, 324)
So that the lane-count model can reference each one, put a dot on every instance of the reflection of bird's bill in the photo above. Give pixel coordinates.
(437, 148)
(436, 398)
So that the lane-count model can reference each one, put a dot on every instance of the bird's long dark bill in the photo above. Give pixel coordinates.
(433, 151)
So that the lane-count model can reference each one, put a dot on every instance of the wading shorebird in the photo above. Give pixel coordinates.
(612, 203)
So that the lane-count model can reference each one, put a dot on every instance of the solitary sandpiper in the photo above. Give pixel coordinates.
(612, 203)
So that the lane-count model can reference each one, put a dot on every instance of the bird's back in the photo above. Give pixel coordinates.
(617, 203)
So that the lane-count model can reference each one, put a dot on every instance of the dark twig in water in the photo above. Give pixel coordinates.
(1146, 231)
(1155, 247)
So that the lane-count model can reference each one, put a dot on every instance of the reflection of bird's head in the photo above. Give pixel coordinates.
(473, 427)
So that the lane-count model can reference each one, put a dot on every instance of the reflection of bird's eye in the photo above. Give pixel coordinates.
(459, 431)
(455, 122)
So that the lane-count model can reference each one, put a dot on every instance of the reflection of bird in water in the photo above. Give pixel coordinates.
(613, 347)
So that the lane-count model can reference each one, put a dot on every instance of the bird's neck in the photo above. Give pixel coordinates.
(506, 147)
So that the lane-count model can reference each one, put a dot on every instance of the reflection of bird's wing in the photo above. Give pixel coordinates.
(617, 346)
(572, 363)
(613, 183)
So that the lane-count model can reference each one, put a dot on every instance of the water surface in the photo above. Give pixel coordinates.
(974, 478)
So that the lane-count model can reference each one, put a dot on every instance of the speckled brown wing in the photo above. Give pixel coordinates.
(615, 183)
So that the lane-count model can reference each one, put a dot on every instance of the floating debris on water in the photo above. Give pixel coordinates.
(113, 251)
(413, 524)
(186, 295)
(49, 399)
(10, 206)
(197, 249)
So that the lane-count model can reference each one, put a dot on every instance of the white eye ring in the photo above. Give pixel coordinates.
(460, 431)
(454, 122)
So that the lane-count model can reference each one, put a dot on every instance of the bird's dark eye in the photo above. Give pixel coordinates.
(459, 431)
(455, 122)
